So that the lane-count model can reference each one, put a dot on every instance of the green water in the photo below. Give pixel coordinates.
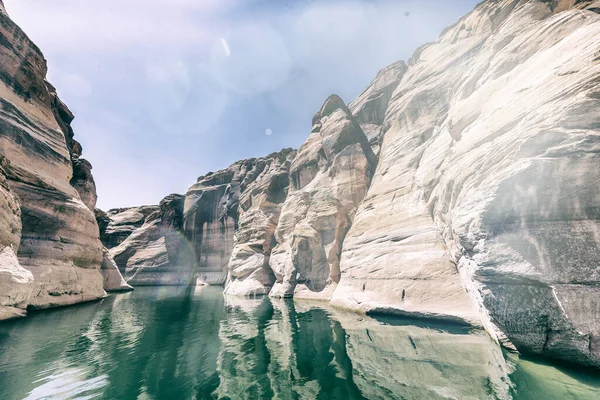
(172, 343)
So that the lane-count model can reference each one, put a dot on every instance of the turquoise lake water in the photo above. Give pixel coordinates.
(194, 343)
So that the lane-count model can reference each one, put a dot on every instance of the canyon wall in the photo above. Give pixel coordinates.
(461, 186)
(487, 176)
(118, 224)
(50, 252)
(259, 209)
(156, 253)
(328, 178)
(213, 214)
(223, 226)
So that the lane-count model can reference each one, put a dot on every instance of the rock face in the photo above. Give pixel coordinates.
(118, 224)
(113, 279)
(212, 215)
(481, 206)
(156, 253)
(329, 177)
(208, 224)
(16, 283)
(263, 192)
(370, 106)
(82, 179)
(191, 239)
(49, 246)
(487, 177)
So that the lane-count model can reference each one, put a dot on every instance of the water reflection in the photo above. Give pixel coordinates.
(271, 351)
(179, 343)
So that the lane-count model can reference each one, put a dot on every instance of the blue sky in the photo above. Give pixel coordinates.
(165, 91)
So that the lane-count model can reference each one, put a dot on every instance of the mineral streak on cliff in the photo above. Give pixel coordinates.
(218, 204)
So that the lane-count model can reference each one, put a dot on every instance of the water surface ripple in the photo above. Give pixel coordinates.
(182, 343)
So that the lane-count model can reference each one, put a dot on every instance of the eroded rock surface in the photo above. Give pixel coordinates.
(461, 186)
(118, 224)
(370, 106)
(488, 168)
(263, 192)
(212, 216)
(157, 253)
(16, 283)
(482, 208)
(113, 279)
(209, 226)
(328, 178)
(57, 241)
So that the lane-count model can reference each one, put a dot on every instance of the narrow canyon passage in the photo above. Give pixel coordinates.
(429, 229)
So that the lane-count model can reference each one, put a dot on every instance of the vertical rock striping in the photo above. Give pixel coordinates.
(244, 196)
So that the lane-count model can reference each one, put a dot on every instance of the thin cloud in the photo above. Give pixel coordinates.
(165, 91)
(112, 25)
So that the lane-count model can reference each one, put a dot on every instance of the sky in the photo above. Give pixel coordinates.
(166, 91)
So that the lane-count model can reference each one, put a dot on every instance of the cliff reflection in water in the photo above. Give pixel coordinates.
(167, 343)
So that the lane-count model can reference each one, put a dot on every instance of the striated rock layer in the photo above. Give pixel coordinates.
(488, 170)
(192, 239)
(118, 224)
(49, 245)
(483, 207)
(16, 283)
(156, 253)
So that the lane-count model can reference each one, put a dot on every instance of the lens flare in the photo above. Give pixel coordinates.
(225, 45)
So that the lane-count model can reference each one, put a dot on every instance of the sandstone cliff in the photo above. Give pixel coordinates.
(259, 206)
(192, 238)
(49, 247)
(118, 224)
(156, 253)
(212, 215)
(328, 177)
(483, 208)
(487, 177)
(370, 106)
